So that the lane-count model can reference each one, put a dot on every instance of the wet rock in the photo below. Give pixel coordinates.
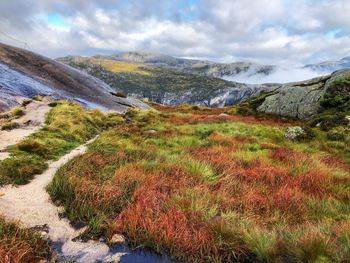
(117, 239)
(114, 258)
(294, 133)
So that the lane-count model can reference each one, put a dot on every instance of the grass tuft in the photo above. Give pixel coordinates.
(21, 245)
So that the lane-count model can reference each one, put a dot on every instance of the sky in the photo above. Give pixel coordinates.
(265, 31)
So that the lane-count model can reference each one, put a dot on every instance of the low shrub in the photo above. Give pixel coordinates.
(32, 146)
(17, 112)
(38, 98)
(26, 102)
(6, 126)
(338, 134)
(20, 169)
(119, 94)
(53, 103)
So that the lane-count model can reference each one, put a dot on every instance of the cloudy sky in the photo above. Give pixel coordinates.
(265, 31)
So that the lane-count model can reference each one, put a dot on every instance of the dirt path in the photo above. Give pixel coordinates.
(31, 205)
(33, 120)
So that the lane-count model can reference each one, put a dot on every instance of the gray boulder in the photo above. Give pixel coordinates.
(294, 133)
(300, 100)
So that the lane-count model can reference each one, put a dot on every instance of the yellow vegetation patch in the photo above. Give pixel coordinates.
(121, 67)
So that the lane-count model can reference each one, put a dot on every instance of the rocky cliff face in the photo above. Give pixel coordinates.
(26, 74)
(303, 100)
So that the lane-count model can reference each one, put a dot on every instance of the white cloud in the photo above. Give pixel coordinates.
(266, 31)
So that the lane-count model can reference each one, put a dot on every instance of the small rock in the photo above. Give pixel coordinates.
(41, 228)
(294, 133)
(151, 132)
(224, 114)
(117, 239)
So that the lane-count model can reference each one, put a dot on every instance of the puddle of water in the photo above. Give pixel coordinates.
(141, 256)
(122, 254)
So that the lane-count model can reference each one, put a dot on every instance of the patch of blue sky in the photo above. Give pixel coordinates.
(56, 20)
(334, 33)
(187, 9)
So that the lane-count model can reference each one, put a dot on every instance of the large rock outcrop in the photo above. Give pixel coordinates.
(301, 100)
(26, 74)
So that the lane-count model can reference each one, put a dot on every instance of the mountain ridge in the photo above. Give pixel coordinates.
(205, 67)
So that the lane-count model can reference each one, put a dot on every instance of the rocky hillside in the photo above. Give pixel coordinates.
(26, 74)
(163, 85)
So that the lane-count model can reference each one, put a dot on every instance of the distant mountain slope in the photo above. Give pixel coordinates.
(192, 66)
(26, 74)
(163, 85)
(330, 66)
(230, 71)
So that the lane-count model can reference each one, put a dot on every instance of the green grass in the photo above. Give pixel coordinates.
(210, 188)
(67, 126)
(21, 245)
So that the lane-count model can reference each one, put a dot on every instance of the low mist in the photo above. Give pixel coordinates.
(280, 75)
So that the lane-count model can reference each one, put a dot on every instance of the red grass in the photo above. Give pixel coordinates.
(20, 245)
(150, 220)
(267, 174)
(254, 200)
(315, 183)
(282, 154)
(336, 162)
(232, 142)
(217, 156)
(289, 199)
(287, 155)
(209, 119)
(91, 193)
